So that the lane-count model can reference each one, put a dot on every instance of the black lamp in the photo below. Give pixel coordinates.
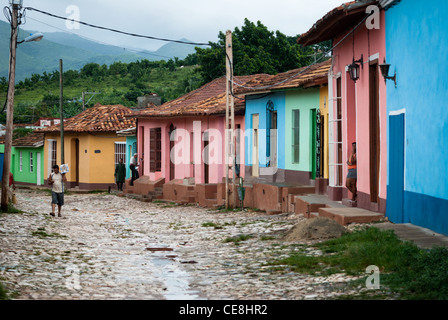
(384, 67)
(353, 68)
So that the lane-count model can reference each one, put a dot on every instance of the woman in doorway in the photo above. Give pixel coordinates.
(352, 174)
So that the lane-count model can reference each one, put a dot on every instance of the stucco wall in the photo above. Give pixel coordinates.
(303, 100)
(96, 156)
(416, 42)
(371, 44)
(189, 158)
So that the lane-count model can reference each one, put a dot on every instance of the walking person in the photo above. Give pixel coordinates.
(134, 166)
(11, 189)
(56, 180)
(352, 174)
(120, 174)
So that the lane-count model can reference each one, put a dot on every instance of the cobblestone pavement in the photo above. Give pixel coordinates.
(110, 247)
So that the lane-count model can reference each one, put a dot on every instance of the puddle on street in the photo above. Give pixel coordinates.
(175, 279)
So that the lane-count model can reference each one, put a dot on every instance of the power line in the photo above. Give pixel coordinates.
(99, 42)
(115, 30)
(305, 68)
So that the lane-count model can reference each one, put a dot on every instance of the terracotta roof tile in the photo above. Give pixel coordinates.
(335, 22)
(210, 99)
(303, 77)
(34, 139)
(99, 118)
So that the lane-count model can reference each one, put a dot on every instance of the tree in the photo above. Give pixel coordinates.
(255, 50)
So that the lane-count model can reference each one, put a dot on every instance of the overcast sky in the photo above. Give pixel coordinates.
(196, 20)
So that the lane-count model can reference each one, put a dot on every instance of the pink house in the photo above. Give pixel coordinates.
(357, 102)
(182, 141)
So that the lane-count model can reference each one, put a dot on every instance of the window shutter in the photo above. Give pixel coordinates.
(152, 149)
(155, 149)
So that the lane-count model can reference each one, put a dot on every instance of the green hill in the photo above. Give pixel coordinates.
(35, 58)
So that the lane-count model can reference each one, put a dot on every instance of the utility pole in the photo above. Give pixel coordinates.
(230, 121)
(10, 107)
(84, 99)
(61, 109)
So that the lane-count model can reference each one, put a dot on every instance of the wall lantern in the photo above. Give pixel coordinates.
(353, 69)
(384, 67)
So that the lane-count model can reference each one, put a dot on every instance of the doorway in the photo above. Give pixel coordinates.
(172, 165)
(255, 127)
(395, 189)
(206, 157)
(374, 130)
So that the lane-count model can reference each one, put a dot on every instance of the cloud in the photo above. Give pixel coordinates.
(196, 20)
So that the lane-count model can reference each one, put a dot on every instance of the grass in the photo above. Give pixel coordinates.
(11, 209)
(41, 233)
(237, 239)
(3, 293)
(404, 268)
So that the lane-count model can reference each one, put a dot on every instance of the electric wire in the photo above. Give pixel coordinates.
(99, 42)
(305, 69)
(115, 30)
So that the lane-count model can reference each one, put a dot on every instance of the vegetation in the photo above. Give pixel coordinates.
(120, 83)
(404, 268)
(3, 293)
(256, 50)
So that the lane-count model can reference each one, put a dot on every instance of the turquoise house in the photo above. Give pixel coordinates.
(131, 147)
(416, 46)
(280, 120)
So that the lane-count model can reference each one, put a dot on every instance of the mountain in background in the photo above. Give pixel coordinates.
(75, 52)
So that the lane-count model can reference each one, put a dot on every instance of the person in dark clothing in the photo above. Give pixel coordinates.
(120, 174)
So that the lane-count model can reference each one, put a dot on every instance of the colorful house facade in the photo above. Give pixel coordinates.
(357, 103)
(92, 147)
(27, 155)
(286, 122)
(416, 114)
(184, 138)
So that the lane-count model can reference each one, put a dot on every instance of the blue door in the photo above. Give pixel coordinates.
(2, 155)
(395, 189)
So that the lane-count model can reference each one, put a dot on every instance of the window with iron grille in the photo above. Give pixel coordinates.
(120, 152)
(52, 154)
(31, 162)
(295, 136)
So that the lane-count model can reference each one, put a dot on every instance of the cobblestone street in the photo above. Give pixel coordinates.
(110, 247)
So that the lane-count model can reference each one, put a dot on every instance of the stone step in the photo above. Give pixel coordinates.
(344, 216)
(349, 203)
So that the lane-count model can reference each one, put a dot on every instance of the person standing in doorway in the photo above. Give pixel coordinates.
(120, 174)
(56, 180)
(352, 174)
(134, 168)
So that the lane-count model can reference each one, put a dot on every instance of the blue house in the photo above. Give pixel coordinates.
(281, 124)
(416, 47)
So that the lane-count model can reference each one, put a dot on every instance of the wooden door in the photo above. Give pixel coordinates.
(395, 189)
(255, 127)
(374, 131)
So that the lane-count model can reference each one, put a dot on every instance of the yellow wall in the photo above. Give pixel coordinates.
(323, 105)
(93, 167)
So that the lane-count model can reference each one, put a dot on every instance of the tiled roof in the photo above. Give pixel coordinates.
(99, 118)
(309, 76)
(34, 139)
(210, 99)
(336, 22)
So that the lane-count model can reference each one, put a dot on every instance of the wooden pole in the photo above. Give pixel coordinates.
(227, 146)
(61, 109)
(10, 108)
